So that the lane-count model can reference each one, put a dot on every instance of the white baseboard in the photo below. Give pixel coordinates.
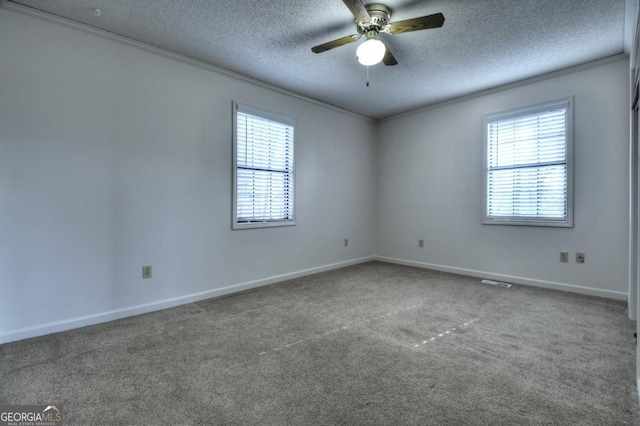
(610, 294)
(68, 324)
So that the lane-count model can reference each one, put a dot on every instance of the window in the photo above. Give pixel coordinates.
(263, 179)
(528, 166)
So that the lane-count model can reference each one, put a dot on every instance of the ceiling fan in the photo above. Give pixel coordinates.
(372, 20)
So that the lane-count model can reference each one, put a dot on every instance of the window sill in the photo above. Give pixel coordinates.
(255, 225)
(521, 222)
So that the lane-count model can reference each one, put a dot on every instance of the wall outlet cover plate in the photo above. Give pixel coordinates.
(146, 271)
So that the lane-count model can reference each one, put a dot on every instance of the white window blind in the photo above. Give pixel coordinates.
(528, 166)
(264, 169)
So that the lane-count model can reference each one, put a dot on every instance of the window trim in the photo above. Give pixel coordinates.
(281, 118)
(568, 222)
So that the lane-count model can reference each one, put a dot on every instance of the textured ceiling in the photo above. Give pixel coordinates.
(483, 43)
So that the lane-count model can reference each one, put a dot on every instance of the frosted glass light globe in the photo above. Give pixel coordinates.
(371, 52)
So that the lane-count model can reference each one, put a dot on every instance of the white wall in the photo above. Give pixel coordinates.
(429, 187)
(113, 156)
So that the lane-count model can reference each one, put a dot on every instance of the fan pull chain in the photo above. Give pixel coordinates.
(367, 80)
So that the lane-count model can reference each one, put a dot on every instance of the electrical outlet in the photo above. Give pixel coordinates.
(564, 256)
(579, 257)
(346, 242)
(146, 271)
(420, 243)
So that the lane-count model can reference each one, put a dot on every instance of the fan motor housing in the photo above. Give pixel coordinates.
(380, 17)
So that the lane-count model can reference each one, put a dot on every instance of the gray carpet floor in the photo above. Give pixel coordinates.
(374, 344)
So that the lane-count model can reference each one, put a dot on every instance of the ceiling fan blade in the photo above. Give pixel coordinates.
(335, 43)
(416, 24)
(389, 59)
(359, 11)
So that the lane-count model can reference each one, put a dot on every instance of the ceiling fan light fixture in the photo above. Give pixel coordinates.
(371, 52)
